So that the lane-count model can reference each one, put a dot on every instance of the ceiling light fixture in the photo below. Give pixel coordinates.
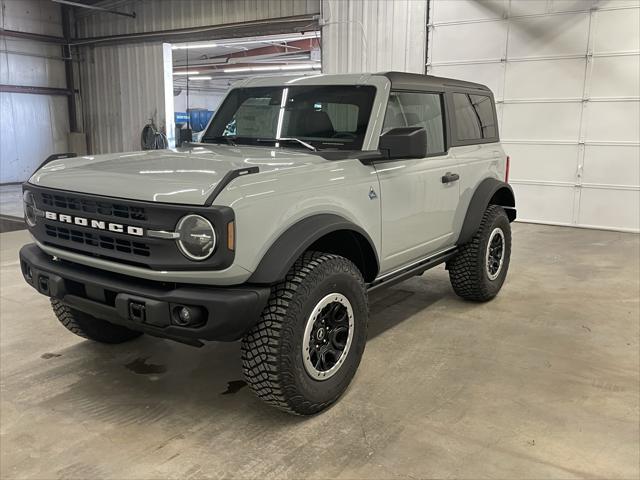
(190, 47)
(306, 66)
(186, 73)
(200, 78)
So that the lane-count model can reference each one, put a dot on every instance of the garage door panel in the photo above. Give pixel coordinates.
(536, 7)
(557, 6)
(615, 76)
(613, 121)
(544, 203)
(541, 121)
(451, 43)
(499, 109)
(612, 165)
(549, 36)
(569, 120)
(607, 208)
(618, 3)
(489, 74)
(545, 79)
(543, 163)
(616, 31)
(464, 10)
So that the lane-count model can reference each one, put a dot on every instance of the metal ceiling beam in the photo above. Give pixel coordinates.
(252, 55)
(32, 36)
(268, 26)
(34, 90)
(93, 7)
(305, 44)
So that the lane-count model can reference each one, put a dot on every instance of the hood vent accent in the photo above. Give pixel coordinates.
(227, 179)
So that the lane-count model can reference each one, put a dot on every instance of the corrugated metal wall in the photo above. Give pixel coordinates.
(122, 86)
(33, 126)
(374, 35)
(154, 15)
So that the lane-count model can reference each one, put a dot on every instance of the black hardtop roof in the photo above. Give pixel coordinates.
(412, 81)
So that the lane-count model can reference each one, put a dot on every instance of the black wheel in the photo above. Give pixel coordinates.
(306, 347)
(89, 327)
(478, 271)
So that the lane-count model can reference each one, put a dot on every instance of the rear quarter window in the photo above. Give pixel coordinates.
(475, 118)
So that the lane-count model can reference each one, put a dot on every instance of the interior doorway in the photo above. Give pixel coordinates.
(203, 72)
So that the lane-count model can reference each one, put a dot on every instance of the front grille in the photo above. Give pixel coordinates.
(92, 206)
(105, 242)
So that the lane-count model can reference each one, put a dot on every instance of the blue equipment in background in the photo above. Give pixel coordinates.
(199, 118)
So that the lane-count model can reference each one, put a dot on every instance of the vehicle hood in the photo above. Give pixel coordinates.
(184, 176)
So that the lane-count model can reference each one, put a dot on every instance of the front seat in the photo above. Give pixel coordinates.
(314, 124)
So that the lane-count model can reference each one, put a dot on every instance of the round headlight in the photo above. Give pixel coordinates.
(197, 237)
(29, 208)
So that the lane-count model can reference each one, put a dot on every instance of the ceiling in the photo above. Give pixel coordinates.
(215, 65)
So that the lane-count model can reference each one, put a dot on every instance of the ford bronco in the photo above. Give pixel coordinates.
(303, 195)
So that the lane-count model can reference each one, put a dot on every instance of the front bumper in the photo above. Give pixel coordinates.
(225, 313)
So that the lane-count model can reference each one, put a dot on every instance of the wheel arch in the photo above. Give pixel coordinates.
(328, 233)
(490, 192)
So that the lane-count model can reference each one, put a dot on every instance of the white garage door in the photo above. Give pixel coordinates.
(566, 78)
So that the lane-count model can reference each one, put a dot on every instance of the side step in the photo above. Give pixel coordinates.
(411, 270)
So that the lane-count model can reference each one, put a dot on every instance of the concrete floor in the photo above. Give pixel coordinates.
(11, 200)
(543, 382)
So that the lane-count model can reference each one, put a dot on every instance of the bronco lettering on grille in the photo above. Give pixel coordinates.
(97, 224)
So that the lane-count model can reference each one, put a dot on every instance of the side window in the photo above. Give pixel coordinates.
(409, 109)
(474, 116)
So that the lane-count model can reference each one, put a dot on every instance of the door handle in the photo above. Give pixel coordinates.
(450, 177)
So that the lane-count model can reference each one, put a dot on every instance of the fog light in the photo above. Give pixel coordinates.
(185, 316)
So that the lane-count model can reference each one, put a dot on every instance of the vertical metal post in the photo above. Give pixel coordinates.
(426, 38)
(68, 69)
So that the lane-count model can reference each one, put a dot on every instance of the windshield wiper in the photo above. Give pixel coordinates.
(229, 139)
(289, 139)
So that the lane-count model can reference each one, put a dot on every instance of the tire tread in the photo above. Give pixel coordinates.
(466, 269)
(266, 371)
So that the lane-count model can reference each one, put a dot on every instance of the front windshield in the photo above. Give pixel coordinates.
(314, 117)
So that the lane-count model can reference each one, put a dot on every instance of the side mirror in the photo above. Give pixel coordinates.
(404, 142)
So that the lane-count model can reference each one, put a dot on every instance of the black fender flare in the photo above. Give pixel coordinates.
(291, 244)
(490, 191)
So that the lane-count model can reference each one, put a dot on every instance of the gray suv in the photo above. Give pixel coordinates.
(304, 195)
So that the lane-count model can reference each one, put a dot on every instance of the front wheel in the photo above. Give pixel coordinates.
(479, 269)
(306, 347)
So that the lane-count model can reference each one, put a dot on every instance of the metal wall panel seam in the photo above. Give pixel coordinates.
(532, 15)
(482, 61)
(582, 132)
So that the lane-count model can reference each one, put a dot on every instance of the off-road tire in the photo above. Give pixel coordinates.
(468, 271)
(89, 327)
(272, 357)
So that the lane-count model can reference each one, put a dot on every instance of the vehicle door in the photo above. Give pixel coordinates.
(418, 195)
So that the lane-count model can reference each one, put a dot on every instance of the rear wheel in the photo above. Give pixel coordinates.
(478, 271)
(304, 351)
(90, 327)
